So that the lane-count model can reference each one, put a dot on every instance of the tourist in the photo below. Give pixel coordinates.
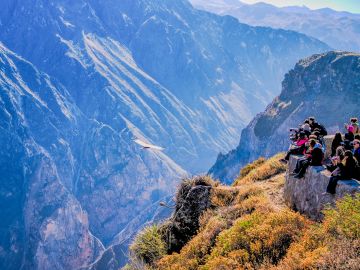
(356, 144)
(355, 124)
(315, 125)
(336, 143)
(313, 157)
(346, 170)
(297, 148)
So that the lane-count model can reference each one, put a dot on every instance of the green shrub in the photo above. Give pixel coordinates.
(333, 244)
(258, 238)
(263, 171)
(251, 166)
(344, 220)
(149, 245)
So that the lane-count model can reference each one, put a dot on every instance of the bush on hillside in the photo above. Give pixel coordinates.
(188, 183)
(251, 166)
(333, 244)
(222, 196)
(195, 251)
(149, 245)
(264, 171)
(257, 238)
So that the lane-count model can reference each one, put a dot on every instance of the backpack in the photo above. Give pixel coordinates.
(323, 131)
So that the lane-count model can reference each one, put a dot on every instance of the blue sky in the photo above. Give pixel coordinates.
(347, 5)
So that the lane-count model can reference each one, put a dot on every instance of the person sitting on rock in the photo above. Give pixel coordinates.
(316, 134)
(340, 151)
(307, 155)
(315, 125)
(346, 170)
(356, 144)
(306, 127)
(338, 157)
(355, 124)
(336, 143)
(313, 157)
(349, 137)
(296, 149)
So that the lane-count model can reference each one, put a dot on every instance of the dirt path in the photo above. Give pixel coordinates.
(274, 189)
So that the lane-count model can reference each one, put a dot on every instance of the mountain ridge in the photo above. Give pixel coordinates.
(320, 23)
(318, 85)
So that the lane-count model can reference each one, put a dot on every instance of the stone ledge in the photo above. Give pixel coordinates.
(305, 195)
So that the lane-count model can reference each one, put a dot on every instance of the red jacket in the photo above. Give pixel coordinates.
(301, 142)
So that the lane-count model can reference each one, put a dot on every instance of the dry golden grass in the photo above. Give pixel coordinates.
(149, 245)
(223, 196)
(263, 171)
(249, 227)
(196, 250)
(256, 238)
(228, 205)
(251, 166)
(333, 244)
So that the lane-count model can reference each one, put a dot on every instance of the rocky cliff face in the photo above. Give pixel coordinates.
(114, 55)
(325, 85)
(52, 198)
(116, 70)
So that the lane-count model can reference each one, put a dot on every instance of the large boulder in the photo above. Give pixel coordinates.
(307, 195)
(193, 198)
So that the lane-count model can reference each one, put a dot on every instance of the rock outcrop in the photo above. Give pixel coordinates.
(326, 86)
(193, 199)
(306, 195)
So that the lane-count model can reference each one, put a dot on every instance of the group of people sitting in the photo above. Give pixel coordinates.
(343, 163)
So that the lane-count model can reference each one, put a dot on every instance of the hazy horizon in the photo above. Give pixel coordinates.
(346, 5)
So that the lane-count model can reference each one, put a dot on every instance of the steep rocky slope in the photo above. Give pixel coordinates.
(120, 70)
(219, 72)
(338, 29)
(56, 165)
(326, 85)
(156, 70)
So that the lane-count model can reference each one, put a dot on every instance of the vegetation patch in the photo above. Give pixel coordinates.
(258, 238)
(149, 245)
(333, 244)
(245, 229)
(263, 171)
(251, 166)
